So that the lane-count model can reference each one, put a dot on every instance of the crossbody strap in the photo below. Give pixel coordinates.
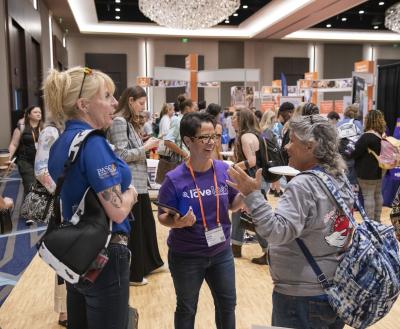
(327, 180)
(74, 150)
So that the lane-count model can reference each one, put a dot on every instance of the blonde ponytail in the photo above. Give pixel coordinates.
(61, 90)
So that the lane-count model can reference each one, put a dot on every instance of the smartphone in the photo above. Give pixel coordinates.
(168, 209)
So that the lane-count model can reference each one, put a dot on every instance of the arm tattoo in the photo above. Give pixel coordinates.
(113, 195)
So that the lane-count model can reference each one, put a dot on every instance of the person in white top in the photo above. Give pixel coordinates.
(166, 114)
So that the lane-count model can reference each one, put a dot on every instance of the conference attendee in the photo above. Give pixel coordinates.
(369, 174)
(214, 110)
(166, 114)
(23, 145)
(333, 117)
(50, 133)
(199, 238)
(84, 97)
(247, 156)
(267, 125)
(347, 145)
(173, 140)
(305, 211)
(285, 112)
(124, 134)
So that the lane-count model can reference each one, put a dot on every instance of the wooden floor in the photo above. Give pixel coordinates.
(30, 305)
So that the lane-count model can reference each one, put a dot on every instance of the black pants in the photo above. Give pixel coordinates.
(104, 304)
(143, 240)
(27, 173)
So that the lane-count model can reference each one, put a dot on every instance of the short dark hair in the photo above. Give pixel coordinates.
(214, 109)
(310, 109)
(333, 116)
(191, 122)
(286, 106)
(202, 105)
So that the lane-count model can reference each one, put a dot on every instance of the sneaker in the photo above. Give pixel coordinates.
(29, 222)
(141, 283)
(161, 269)
(260, 260)
(249, 238)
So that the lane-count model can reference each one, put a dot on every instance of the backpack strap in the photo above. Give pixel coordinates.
(75, 146)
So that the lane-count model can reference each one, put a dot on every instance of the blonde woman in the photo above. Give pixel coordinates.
(85, 98)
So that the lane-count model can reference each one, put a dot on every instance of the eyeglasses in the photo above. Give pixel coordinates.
(206, 139)
(86, 71)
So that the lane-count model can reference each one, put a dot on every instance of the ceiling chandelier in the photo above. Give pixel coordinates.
(188, 14)
(392, 18)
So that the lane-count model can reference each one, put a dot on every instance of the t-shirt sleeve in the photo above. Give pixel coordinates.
(173, 131)
(100, 164)
(167, 194)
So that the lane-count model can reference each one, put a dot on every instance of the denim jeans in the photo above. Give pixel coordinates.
(303, 313)
(373, 200)
(188, 273)
(103, 304)
(237, 235)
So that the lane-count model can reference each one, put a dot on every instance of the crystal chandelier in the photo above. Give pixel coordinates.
(188, 14)
(392, 18)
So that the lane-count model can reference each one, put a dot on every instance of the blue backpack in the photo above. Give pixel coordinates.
(367, 280)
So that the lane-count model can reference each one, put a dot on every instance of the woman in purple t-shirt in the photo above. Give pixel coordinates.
(199, 239)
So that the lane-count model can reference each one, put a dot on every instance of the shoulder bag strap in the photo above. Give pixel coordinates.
(326, 179)
(75, 146)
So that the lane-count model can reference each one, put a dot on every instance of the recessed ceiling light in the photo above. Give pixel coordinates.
(117, 1)
(361, 12)
(328, 25)
(235, 14)
(376, 27)
(245, 6)
(381, 3)
(117, 9)
(117, 17)
(344, 19)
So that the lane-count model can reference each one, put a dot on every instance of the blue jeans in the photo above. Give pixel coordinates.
(188, 273)
(303, 313)
(237, 235)
(103, 304)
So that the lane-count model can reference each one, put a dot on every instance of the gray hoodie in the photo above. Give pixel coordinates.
(307, 211)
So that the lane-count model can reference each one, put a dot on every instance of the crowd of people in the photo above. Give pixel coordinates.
(207, 196)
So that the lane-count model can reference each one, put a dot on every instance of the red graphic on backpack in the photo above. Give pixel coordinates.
(341, 230)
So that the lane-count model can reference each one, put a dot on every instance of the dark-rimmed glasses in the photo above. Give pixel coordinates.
(206, 139)
(86, 71)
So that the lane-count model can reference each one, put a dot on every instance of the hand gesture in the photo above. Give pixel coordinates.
(151, 143)
(186, 221)
(243, 182)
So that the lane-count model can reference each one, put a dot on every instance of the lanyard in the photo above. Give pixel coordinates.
(33, 135)
(199, 195)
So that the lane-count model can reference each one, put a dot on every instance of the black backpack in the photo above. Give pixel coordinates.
(269, 155)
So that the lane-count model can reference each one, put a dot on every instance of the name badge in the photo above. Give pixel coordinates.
(215, 236)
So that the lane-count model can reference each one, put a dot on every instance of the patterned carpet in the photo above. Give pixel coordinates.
(18, 247)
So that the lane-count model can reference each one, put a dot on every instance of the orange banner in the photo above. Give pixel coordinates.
(364, 66)
(325, 107)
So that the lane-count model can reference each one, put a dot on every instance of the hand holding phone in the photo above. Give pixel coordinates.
(168, 209)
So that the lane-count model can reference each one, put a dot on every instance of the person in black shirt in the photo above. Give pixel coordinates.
(369, 173)
(285, 112)
(23, 145)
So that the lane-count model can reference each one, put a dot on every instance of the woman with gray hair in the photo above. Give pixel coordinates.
(305, 211)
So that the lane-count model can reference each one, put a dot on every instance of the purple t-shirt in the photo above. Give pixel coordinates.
(179, 191)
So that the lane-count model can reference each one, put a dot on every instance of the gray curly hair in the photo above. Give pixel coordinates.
(318, 130)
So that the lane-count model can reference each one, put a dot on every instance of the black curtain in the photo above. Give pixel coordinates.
(389, 93)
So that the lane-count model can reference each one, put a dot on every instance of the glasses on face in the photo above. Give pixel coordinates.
(206, 139)
(86, 71)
